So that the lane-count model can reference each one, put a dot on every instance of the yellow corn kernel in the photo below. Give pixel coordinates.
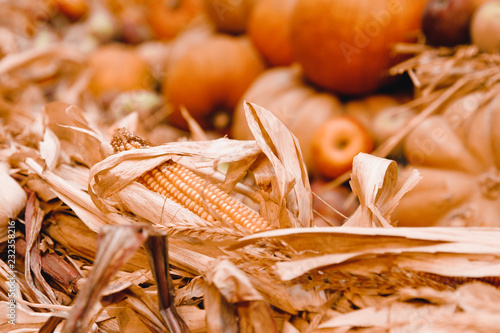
(186, 188)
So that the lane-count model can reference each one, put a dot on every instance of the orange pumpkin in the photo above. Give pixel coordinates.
(458, 155)
(74, 9)
(298, 105)
(345, 46)
(229, 16)
(269, 29)
(116, 68)
(209, 75)
(167, 18)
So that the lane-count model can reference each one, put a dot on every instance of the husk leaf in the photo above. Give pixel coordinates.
(374, 181)
(12, 199)
(290, 181)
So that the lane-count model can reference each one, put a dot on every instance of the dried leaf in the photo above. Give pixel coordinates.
(119, 170)
(230, 290)
(476, 251)
(79, 141)
(76, 199)
(33, 262)
(374, 181)
(290, 181)
(117, 245)
(12, 199)
(50, 149)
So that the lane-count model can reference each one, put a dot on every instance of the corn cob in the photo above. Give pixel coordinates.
(183, 186)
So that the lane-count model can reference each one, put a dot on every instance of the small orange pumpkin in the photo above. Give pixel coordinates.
(209, 75)
(74, 9)
(269, 29)
(167, 18)
(116, 68)
(229, 16)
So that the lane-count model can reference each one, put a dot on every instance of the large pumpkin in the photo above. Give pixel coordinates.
(209, 75)
(269, 29)
(346, 46)
(458, 155)
(298, 105)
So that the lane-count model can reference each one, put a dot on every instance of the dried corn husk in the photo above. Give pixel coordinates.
(229, 290)
(294, 279)
(374, 181)
(12, 199)
(287, 203)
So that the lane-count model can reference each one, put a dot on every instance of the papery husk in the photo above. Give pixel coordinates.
(78, 240)
(112, 181)
(423, 250)
(374, 181)
(54, 54)
(291, 279)
(12, 199)
(290, 183)
(76, 199)
(229, 290)
(286, 173)
(117, 245)
(79, 141)
(381, 271)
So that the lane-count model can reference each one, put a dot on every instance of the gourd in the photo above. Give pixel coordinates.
(485, 27)
(458, 155)
(302, 108)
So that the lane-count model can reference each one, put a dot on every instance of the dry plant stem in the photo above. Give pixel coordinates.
(156, 247)
(455, 281)
(191, 191)
(51, 324)
(331, 207)
(34, 215)
(385, 148)
(59, 271)
(116, 246)
(447, 62)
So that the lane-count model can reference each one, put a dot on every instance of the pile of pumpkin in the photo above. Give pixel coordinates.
(321, 66)
(262, 51)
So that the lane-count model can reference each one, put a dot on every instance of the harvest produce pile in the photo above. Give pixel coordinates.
(250, 166)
